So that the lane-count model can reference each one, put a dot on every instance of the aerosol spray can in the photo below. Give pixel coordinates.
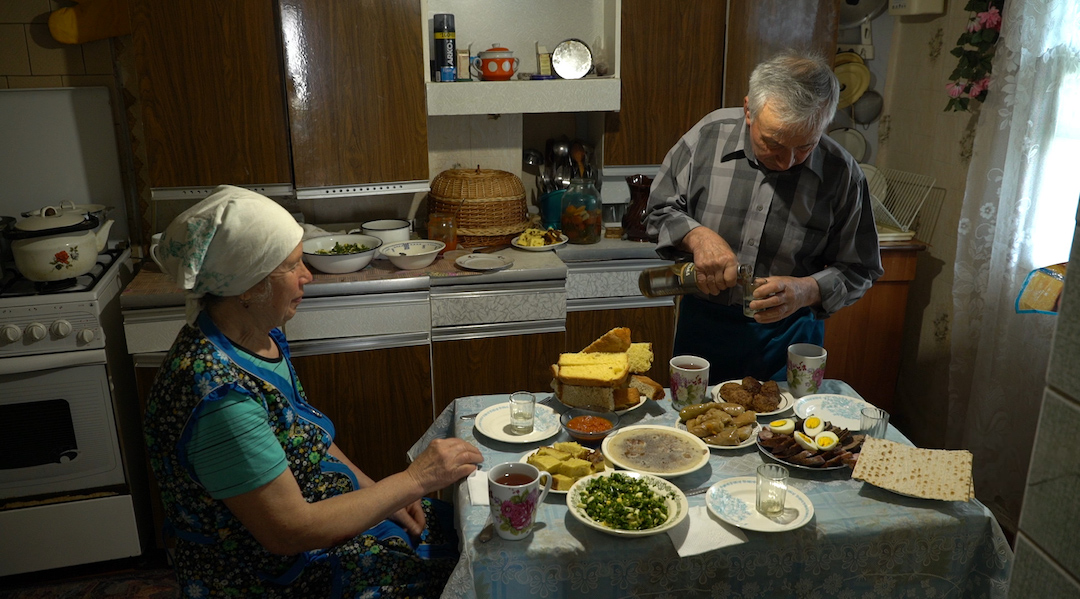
(445, 47)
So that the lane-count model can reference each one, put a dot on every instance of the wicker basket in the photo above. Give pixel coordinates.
(489, 204)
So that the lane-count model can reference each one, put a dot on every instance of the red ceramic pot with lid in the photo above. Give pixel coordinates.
(52, 244)
(496, 64)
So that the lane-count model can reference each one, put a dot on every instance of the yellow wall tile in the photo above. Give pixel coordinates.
(50, 57)
(25, 11)
(28, 82)
(3, 82)
(97, 57)
(14, 59)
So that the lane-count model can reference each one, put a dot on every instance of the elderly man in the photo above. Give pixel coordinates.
(763, 186)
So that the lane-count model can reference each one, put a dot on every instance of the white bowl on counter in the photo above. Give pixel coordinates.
(411, 255)
(388, 229)
(336, 264)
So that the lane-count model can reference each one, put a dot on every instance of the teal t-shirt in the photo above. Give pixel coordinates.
(232, 448)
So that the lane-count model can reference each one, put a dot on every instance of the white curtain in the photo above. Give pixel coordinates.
(999, 358)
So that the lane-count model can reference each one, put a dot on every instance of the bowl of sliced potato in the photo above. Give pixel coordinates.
(338, 254)
(539, 240)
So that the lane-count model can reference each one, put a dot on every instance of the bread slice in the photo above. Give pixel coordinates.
(627, 398)
(600, 399)
(640, 357)
(593, 369)
(614, 341)
(647, 387)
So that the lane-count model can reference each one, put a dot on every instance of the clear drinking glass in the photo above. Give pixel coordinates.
(875, 422)
(771, 489)
(522, 412)
(749, 283)
(443, 227)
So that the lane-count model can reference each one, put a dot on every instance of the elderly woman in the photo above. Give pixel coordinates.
(259, 498)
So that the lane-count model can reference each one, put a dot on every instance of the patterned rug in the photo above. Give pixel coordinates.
(141, 584)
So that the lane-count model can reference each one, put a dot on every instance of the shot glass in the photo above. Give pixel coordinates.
(771, 489)
(875, 422)
(522, 411)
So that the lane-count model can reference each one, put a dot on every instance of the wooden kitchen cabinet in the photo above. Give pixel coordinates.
(379, 401)
(209, 76)
(675, 69)
(494, 365)
(357, 110)
(863, 339)
(653, 325)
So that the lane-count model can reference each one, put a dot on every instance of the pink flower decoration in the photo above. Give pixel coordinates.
(973, 26)
(955, 89)
(990, 19)
(979, 87)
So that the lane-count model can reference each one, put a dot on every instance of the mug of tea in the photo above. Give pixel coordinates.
(689, 378)
(495, 64)
(155, 241)
(515, 492)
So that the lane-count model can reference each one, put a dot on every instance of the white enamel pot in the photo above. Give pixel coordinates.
(53, 245)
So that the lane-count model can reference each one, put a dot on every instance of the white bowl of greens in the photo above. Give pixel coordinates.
(337, 254)
(649, 504)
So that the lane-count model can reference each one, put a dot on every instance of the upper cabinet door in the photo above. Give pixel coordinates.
(761, 29)
(210, 84)
(672, 72)
(354, 78)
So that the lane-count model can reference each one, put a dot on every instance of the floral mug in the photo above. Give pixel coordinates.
(515, 492)
(689, 378)
(805, 368)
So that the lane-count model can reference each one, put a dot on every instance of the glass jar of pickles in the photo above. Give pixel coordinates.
(582, 214)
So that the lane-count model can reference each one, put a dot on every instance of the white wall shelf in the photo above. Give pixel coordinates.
(500, 97)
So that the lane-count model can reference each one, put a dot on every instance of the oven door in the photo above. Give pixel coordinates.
(59, 431)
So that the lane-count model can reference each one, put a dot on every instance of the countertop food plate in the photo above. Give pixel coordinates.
(747, 443)
(525, 460)
(484, 262)
(655, 449)
(539, 248)
(494, 422)
(840, 410)
(786, 400)
(676, 502)
(734, 501)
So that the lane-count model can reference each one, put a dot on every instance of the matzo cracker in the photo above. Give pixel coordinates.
(927, 473)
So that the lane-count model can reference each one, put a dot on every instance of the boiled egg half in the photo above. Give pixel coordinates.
(805, 442)
(813, 426)
(784, 426)
(826, 440)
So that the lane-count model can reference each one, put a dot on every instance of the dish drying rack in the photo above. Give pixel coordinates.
(897, 196)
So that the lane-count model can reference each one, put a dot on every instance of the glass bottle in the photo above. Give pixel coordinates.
(582, 214)
(679, 279)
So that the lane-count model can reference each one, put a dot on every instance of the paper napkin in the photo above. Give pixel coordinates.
(700, 532)
(478, 487)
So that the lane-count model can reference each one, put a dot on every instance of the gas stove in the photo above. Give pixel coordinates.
(60, 316)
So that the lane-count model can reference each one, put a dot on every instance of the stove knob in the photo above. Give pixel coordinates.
(86, 335)
(61, 328)
(36, 331)
(10, 333)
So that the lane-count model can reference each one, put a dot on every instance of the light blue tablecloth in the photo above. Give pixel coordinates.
(862, 541)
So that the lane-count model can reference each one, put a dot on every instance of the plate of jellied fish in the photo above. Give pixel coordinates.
(764, 398)
(721, 425)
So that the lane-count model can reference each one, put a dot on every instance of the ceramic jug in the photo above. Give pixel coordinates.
(633, 221)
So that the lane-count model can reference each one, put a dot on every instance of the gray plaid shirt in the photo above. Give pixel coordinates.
(813, 220)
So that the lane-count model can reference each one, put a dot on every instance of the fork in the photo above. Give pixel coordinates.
(697, 491)
(547, 401)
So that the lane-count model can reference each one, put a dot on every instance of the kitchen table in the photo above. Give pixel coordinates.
(862, 541)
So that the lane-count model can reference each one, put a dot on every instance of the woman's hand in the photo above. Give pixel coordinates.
(780, 297)
(716, 266)
(444, 462)
(411, 518)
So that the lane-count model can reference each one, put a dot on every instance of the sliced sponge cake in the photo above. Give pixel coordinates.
(640, 357)
(593, 369)
(614, 341)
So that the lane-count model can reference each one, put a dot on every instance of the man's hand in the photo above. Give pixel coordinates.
(780, 297)
(716, 265)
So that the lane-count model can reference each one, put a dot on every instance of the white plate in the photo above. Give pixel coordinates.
(852, 141)
(525, 460)
(747, 443)
(539, 248)
(733, 501)
(483, 262)
(839, 410)
(786, 399)
(619, 412)
(699, 458)
(494, 422)
(676, 503)
(765, 452)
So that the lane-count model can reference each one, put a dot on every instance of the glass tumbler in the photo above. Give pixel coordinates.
(522, 412)
(771, 489)
(443, 227)
(874, 422)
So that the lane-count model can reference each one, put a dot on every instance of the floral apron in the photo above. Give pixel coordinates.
(215, 554)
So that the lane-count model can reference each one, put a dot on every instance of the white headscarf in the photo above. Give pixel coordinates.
(226, 244)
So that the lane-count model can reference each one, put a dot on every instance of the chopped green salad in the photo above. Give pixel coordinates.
(624, 503)
(343, 248)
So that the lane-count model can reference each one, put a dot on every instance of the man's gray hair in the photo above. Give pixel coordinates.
(801, 91)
